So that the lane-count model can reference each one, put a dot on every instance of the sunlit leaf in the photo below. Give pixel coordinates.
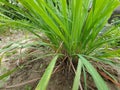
(101, 85)
(42, 85)
(77, 76)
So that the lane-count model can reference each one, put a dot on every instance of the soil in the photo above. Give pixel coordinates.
(28, 77)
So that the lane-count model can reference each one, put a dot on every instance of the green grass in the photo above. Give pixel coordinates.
(72, 30)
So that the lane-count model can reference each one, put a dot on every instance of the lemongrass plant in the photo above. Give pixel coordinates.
(73, 30)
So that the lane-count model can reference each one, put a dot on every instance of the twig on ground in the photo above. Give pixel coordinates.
(21, 84)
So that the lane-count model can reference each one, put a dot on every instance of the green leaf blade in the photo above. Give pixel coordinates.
(77, 76)
(46, 77)
(101, 85)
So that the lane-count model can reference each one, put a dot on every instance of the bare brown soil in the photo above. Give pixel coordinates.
(28, 77)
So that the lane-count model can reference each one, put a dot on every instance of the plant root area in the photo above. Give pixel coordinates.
(62, 78)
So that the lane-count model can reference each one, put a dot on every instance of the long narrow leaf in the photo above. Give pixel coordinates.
(46, 77)
(77, 76)
(8, 73)
(101, 85)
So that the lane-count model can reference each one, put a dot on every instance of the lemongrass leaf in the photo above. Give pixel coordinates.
(8, 73)
(42, 85)
(100, 83)
(77, 76)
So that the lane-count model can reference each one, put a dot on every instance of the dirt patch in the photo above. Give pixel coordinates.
(27, 78)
